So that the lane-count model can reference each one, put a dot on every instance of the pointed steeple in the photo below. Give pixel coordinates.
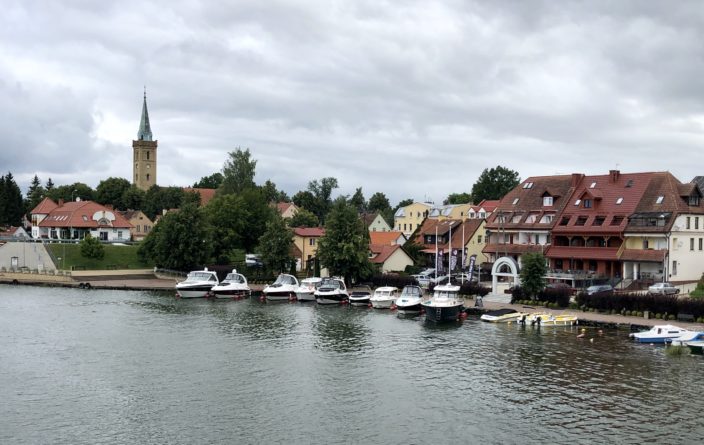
(145, 130)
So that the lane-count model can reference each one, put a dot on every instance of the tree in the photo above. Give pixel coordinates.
(159, 198)
(358, 202)
(11, 202)
(179, 242)
(272, 194)
(494, 183)
(304, 200)
(458, 198)
(35, 194)
(209, 182)
(380, 203)
(259, 213)
(238, 172)
(133, 197)
(303, 218)
(111, 191)
(226, 216)
(322, 192)
(92, 248)
(71, 192)
(533, 272)
(49, 185)
(344, 249)
(275, 244)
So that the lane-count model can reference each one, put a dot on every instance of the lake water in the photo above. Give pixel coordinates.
(91, 367)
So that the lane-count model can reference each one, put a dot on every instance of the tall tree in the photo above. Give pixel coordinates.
(344, 249)
(259, 213)
(71, 192)
(133, 198)
(303, 218)
(159, 198)
(322, 191)
(35, 194)
(11, 203)
(238, 172)
(358, 202)
(111, 191)
(275, 244)
(209, 182)
(305, 200)
(494, 183)
(458, 198)
(226, 216)
(380, 203)
(49, 185)
(533, 271)
(272, 194)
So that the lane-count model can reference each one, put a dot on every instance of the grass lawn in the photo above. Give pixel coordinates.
(116, 257)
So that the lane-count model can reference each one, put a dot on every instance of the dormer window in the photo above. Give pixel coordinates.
(587, 203)
(694, 200)
(629, 183)
(547, 201)
(619, 201)
(659, 200)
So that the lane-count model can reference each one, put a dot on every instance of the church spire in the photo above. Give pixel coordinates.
(145, 130)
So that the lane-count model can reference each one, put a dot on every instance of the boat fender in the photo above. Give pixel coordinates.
(591, 340)
(88, 286)
(369, 305)
(463, 315)
(80, 285)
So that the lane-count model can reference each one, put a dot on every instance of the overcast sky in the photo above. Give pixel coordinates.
(411, 98)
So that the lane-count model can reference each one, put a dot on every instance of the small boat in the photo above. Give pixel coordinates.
(444, 305)
(305, 291)
(384, 297)
(360, 296)
(696, 347)
(687, 338)
(284, 288)
(548, 319)
(331, 291)
(409, 302)
(502, 316)
(197, 284)
(659, 334)
(233, 286)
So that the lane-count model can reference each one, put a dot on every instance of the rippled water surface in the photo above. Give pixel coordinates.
(130, 367)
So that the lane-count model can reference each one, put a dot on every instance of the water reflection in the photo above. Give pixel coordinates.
(339, 329)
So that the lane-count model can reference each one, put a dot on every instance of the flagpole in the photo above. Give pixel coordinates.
(463, 247)
(449, 252)
(436, 252)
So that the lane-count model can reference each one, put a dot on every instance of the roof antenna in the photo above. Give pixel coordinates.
(145, 92)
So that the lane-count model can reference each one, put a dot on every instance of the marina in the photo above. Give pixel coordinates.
(102, 366)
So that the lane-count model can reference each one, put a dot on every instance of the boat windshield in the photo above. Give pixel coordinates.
(335, 284)
(445, 294)
(285, 279)
(200, 276)
(411, 291)
(362, 289)
(234, 278)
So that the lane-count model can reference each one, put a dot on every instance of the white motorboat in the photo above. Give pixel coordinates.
(284, 288)
(233, 286)
(197, 284)
(444, 305)
(331, 291)
(305, 292)
(659, 334)
(409, 302)
(687, 338)
(384, 297)
(360, 296)
(502, 316)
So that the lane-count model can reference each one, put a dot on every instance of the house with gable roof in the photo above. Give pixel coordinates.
(407, 219)
(391, 238)
(141, 224)
(374, 222)
(305, 240)
(287, 210)
(434, 236)
(74, 220)
(389, 258)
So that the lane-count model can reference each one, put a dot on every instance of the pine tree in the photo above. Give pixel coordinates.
(35, 194)
(11, 204)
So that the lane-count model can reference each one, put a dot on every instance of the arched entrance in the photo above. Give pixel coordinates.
(504, 267)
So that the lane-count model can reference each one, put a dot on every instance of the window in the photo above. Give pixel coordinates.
(694, 200)
(619, 201)
(581, 220)
(674, 268)
(147, 155)
(691, 244)
(617, 220)
(149, 166)
(528, 185)
(516, 219)
(547, 201)
(689, 220)
(599, 221)
(645, 244)
(696, 223)
(546, 219)
(479, 241)
(311, 242)
(587, 203)
(659, 200)
(577, 202)
(482, 215)
(700, 243)
(404, 227)
(674, 244)
(565, 220)
(515, 201)
(593, 185)
(136, 228)
(147, 176)
(629, 183)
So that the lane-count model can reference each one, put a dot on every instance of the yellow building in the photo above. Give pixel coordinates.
(451, 211)
(141, 224)
(409, 218)
(305, 240)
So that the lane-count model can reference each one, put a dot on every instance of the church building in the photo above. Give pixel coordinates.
(144, 150)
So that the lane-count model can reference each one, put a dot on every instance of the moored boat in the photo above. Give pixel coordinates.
(331, 291)
(659, 334)
(360, 296)
(444, 305)
(549, 319)
(305, 292)
(233, 286)
(409, 302)
(197, 284)
(687, 338)
(384, 297)
(284, 288)
(696, 346)
(502, 316)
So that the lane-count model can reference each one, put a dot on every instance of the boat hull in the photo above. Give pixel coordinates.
(382, 304)
(305, 296)
(279, 295)
(331, 298)
(409, 309)
(194, 292)
(359, 301)
(231, 293)
(438, 314)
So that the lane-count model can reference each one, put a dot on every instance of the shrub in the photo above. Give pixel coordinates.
(92, 248)
(473, 289)
(559, 296)
(394, 280)
(518, 294)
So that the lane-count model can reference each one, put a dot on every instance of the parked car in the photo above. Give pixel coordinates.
(429, 272)
(663, 289)
(600, 289)
(253, 260)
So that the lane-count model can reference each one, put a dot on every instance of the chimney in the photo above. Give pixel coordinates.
(576, 179)
(61, 202)
(614, 174)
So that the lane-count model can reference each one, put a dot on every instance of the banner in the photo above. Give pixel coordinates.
(453, 260)
(472, 259)
(438, 262)
(464, 258)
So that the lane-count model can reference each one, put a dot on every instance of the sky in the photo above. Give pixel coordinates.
(410, 98)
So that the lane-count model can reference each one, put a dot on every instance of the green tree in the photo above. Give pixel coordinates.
(209, 182)
(11, 202)
(259, 213)
(238, 172)
(494, 183)
(133, 198)
(275, 244)
(92, 248)
(159, 198)
(272, 194)
(358, 202)
(35, 194)
(179, 242)
(533, 271)
(71, 192)
(305, 200)
(380, 203)
(226, 217)
(458, 198)
(49, 185)
(303, 218)
(344, 249)
(322, 191)
(111, 192)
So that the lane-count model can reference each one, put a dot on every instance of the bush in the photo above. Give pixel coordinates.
(473, 289)
(559, 296)
(92, 248)
(518, 294)
(394, 280)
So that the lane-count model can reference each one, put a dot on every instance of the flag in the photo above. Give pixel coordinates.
(472, 259)
(464, 258)
(453, 259)
(438, 261)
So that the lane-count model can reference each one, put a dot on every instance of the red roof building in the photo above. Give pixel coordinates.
(74, 220)
(205, 194)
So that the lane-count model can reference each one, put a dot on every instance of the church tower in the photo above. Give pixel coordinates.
(144, 149)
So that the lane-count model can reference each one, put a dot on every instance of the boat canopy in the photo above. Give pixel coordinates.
(201, 276)
(235, 278)
(285, 279)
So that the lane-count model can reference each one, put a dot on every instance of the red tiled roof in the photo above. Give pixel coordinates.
(205, 194)
(80, 214)
(657, 256)
(382, 252)
(384, 238)
(44, 207)
(583, 253)
(283, 206)
(428, 228)
(309, 232)
(488, 205)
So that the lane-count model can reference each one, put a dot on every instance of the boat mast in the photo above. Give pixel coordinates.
(449, 253)
(436, 252)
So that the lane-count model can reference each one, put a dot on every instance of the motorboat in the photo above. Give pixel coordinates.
(444, 305)
(696, 347)
(360, 296)
(410, 299)
(548, 319)
(233, 286)
(197, 284)
(305, 291)
(284, 288)
(384, 297)
(687, 338)
(502, 316)
(659, 334)
(331, 291)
